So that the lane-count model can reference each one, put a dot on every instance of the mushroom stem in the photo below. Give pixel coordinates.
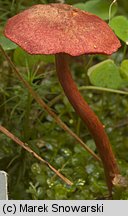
(89, 117)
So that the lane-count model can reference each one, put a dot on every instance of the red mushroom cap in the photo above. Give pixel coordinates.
(60, 28)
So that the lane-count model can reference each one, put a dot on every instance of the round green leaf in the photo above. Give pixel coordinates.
(120, 26)
(98, 7)
(124, 69)
(7, 44)
(105, 74)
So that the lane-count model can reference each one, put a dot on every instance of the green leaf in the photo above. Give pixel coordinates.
(120, 26)
(7, 44)
(105, 74)
(98, 7)
(124, 69)
(91, 144)
(22, 58)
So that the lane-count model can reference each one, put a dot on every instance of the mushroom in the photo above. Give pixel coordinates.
(63, 30)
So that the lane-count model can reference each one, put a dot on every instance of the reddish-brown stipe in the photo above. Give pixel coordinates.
(63, 30)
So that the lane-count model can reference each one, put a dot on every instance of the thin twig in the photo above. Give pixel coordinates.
(110, 10)
(103, 89)
(46, 107)
(27, 148)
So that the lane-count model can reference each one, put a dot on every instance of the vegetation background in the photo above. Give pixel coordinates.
(105, 88)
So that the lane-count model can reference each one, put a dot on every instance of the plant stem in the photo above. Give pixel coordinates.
(88, 116)
(110, 10)
(103, 89)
